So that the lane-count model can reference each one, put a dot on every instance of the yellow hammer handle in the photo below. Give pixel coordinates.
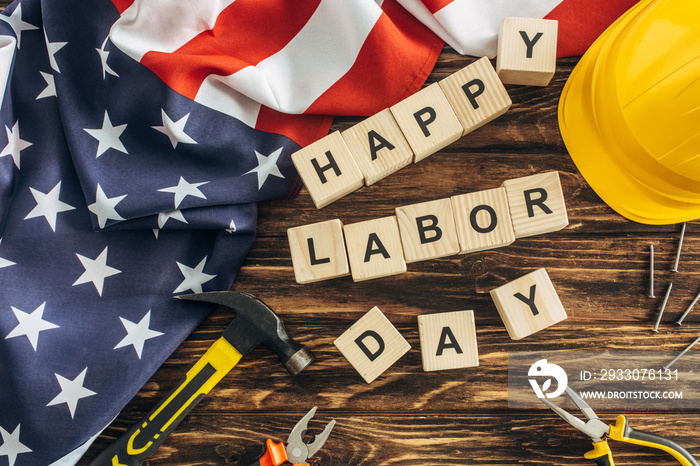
(144, 438)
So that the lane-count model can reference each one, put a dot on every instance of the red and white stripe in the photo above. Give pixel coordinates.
(471, 26)
(258, 60)
(284, 66)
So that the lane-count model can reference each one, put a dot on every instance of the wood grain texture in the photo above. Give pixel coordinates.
(599, 264)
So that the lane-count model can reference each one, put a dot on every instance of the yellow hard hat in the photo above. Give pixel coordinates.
(629, 113)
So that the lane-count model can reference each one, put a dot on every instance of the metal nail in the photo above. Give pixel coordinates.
(688, 310)
(681, 354)
(678, 252)
(651, 271)
(663, 306)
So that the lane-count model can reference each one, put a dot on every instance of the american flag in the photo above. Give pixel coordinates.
(136, 138)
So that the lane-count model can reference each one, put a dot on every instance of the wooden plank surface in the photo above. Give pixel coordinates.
(599, 267)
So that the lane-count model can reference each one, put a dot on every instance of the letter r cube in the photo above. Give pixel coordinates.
(372, 345)
(536, 204)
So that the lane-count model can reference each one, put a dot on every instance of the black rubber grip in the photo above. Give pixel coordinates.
(655, 439)
(149, 433)
(604, 460)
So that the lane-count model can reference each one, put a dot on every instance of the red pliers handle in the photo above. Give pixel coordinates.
(275, 455)
(297, 451)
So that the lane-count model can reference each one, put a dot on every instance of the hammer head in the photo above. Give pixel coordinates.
(256, 324)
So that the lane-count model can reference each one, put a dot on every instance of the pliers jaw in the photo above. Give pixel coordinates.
(298, 451)
(593, 427)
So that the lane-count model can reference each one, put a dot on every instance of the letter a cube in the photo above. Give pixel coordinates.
(528, 304)
(327, 169)
(536, 204)
(374, 248)
(318, 251)
(527, 51)
(448, 340)
(372, 345)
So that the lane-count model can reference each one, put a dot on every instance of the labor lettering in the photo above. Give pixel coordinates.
(428, 224)
(371, 355)
(473, 220)
(530, 43)
(312, 254)
(375, 246)
(431, 115)
(377, 143)
(530, 301)
(321, 170)
(531, 202)
(448, 341)
(472, 95)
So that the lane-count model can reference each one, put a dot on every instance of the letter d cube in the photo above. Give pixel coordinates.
(372, 345)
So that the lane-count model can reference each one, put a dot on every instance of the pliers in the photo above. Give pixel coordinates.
(599, 431)
(297, 451)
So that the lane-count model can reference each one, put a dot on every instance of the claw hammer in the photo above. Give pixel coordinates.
(255, 324)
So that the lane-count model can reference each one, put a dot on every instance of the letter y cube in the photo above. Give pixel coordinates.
(528, 304)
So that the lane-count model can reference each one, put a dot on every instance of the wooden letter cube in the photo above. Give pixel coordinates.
(476, 94)
(378, 146)
(427, 230)
(328, 169)
(528, 304)
(448, 340)
(372, 345)
(527, 51)
(536, 204)
(428, 121)
(318, 251)
(483, 220)
(374, 248)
